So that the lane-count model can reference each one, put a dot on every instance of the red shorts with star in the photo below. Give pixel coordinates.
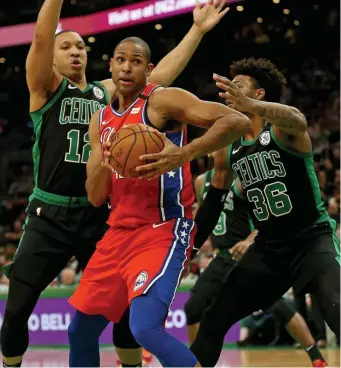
(127, 263)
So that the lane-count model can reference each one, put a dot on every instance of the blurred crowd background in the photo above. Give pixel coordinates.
(301, 37)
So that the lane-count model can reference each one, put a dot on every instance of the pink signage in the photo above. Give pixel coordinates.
(104, 21)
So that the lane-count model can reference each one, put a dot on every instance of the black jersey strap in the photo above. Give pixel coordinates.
(208, 214)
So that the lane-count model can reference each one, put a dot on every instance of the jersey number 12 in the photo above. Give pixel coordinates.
(73, 154)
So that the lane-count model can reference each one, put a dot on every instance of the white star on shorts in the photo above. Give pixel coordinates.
(183, 233)
(185, 225)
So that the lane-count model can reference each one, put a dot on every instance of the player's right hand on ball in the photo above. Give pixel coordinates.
(106, 156)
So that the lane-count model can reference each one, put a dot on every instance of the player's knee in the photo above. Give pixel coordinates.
(194, 308)
(20, 303)
(283, 311)
(140, 330)
(146, 330)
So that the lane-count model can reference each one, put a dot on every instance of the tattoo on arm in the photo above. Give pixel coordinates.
(284, 115)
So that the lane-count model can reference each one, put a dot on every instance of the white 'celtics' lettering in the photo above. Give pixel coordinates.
(76, 110)
(258, 167)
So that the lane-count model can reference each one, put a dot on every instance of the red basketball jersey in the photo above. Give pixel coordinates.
(135, 202)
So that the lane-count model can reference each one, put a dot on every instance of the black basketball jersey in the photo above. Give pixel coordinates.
(280, 184)
(61, 149)
(234, 223)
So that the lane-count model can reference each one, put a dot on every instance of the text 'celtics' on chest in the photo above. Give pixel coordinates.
(259, 166)
(76, 110)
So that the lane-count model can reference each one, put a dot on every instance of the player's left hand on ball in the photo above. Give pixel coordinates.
(208, 16)
(170, 158)
(239, 249)
(232, 94)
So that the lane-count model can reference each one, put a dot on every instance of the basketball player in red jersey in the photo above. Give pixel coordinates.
(140, 259)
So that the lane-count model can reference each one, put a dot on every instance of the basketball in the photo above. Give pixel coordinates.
(128, 144)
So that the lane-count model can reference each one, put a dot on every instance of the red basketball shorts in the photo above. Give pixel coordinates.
(127, 263)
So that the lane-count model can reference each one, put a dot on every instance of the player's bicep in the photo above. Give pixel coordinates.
(95, 157)
(297, 143)
(186, 108)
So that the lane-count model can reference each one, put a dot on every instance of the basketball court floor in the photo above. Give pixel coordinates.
(231, 357)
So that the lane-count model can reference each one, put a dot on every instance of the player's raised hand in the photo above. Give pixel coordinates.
(233, 95)
(208, 16)
(170, 158)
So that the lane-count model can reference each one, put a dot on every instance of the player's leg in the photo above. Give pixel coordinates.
(297, 328)
(194, 309)
(100, 297)
(323, 257)
(204, 291)
(38, 261)
(127, 349)
(326, 290)
(84, 332)
(147, 316)
(152, 277)
(250, 285)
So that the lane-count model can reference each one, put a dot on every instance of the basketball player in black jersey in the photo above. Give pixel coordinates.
(61, 223)
(231, 238)
(296, 244)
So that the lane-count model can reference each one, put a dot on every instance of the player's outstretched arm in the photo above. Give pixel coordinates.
(98, 182)
(205, 18)
(224, 127)
(39, 63)
(209, 211)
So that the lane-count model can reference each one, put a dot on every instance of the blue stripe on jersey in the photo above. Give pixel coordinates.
(170, 272)
(171, 185)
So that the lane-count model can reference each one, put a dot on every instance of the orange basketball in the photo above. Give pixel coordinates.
(128, 144)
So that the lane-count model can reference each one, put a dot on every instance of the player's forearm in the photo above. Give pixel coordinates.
(169, 68)
(283, 116)
(41, 51)
(47, 23)
(208, 214)
(223, 132)
(98, 186)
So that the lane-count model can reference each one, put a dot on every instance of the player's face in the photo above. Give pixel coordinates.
(130, 68)
(70, 56)
(248, 87)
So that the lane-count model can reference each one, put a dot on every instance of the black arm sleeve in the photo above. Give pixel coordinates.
(208, 214)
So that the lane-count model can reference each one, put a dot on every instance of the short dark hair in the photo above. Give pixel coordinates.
(264, 73)
(140, 42)
(66, 31)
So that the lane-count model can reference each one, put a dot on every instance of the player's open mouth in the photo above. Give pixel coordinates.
(126, 81)
(76, 64)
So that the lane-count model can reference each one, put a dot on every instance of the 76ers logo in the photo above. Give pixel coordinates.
(106, 134)
(140, 280)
